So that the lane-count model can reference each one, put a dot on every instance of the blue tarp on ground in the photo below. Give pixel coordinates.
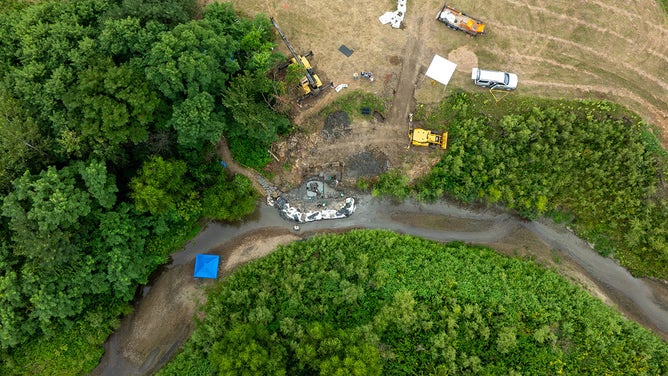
(206, 266)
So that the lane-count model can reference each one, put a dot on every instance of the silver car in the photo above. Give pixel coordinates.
(494, 79)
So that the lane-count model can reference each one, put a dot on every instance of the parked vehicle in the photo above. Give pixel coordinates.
(425, 137)
(458, 20)
(494, 79)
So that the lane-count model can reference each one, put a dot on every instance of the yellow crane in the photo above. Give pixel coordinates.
(310, 84)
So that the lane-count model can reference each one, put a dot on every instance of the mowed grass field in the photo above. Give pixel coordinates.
(596, 49)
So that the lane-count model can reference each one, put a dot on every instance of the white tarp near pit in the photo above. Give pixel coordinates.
(386, 18)
(291, 213)
(396, 17)
(441, 69)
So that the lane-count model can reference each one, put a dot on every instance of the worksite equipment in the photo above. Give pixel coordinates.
(424, 137)
(458, 20)
(310, 84)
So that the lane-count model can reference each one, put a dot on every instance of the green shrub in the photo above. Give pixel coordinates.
(593, 161)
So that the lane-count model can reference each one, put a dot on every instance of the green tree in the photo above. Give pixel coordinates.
(22, 147)
(229, 200)
(48, 219)
(248, 100)
(108, 106)
(195, 121)
(168, 12)
(160, 185)
(393, 184)
(248, 350)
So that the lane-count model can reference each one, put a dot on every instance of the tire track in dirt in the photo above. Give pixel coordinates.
(315, 104)
(631, 15)
(599, 29)
(602, 56)
(516, 56)
(403, 97)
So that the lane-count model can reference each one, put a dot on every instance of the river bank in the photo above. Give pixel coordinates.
(164, 318)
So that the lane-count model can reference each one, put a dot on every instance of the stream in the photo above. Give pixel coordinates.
(455, 222)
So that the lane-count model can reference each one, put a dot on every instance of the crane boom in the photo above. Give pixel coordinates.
(298, 58)
(285, 39)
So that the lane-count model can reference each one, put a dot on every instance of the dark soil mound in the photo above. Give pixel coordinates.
(367, 163)
(337, 124)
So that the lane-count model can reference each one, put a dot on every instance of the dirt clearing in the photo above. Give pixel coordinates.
(594, 49)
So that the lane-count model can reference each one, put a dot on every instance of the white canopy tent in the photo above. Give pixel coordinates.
(441, 69)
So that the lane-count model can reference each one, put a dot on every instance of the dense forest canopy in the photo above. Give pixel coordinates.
(109, 116)
(375, 302)
(110, 111)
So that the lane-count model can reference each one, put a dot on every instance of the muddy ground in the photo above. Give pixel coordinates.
(164, 319)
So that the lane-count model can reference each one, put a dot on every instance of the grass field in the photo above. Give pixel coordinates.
(561, 48)
(664, 5)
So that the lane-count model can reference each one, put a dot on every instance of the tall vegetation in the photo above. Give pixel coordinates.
(375, 302)
(591, 162)
(109, 116)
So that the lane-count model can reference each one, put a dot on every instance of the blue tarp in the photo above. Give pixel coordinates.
(206, 266)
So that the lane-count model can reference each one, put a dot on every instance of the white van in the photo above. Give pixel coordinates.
(494, 79)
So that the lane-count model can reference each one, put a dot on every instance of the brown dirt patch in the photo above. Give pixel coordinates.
(337, 124)
(366, 163)
(464, 58)
(252, 246)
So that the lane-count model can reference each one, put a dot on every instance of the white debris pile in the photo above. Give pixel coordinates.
(394, 18)
(291, 213)
(341, 87)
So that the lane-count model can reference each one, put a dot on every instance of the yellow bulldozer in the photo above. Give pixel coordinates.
(425, 137)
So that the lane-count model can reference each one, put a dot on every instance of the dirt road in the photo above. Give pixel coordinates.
(163, 319)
